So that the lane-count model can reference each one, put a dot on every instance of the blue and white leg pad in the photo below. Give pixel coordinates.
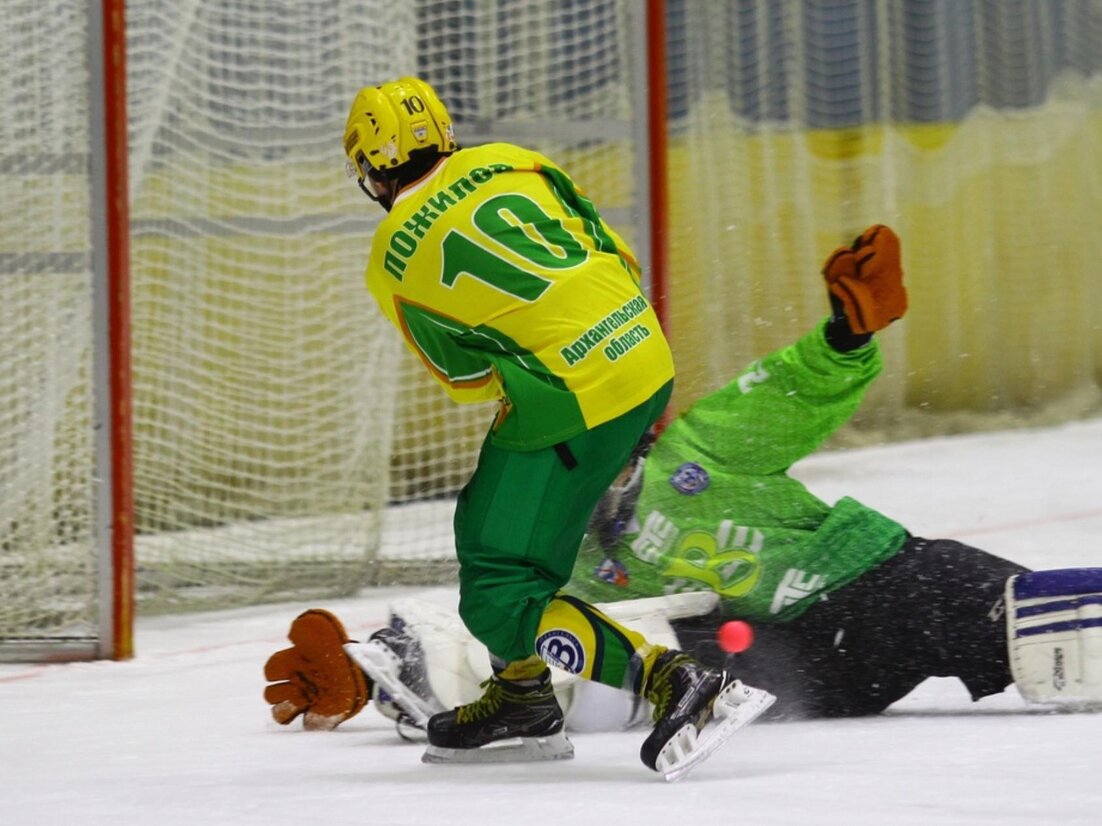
(1054, 634)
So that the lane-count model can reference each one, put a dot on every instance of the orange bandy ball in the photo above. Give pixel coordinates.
(735, 636)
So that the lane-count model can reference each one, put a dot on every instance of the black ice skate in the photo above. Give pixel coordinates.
(514, 721)
(686, 696)
(394, 660)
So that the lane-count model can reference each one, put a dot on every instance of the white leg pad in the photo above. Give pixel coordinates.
(1054, 634)
(667, 607)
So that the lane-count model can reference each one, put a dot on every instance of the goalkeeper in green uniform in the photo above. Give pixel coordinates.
(507, 284)
(850, 611)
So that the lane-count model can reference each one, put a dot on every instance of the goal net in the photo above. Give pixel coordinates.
(49, 576)
(284, 442)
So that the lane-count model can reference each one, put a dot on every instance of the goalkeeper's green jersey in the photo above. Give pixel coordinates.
(507, 284)
(718, 510)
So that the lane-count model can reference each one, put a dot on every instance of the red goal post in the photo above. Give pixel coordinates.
(66, 559)
(111, 274)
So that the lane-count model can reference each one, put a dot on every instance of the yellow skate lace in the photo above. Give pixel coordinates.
(660, 689)
(484, 706)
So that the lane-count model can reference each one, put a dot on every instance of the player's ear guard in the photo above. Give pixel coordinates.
(867, 278)
(315, 677)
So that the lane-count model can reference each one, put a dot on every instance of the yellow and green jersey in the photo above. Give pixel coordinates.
(507, 284)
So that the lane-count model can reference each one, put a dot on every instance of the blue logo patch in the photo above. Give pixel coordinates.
(612, 571)
(561, 648)
(690, 478)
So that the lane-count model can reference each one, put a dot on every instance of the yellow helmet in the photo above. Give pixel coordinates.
(388, 124)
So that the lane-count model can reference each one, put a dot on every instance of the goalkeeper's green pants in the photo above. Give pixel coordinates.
(520, 520)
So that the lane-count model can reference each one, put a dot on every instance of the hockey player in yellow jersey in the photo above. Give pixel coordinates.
(506, 283)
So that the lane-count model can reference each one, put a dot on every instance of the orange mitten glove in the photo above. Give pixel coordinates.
(314, 676)
(867, 280)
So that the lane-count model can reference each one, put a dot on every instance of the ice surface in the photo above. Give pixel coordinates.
(181, 735)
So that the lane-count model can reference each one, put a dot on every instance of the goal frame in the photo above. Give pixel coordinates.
(113, 485)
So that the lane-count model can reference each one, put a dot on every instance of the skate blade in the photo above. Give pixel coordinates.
(735, 707)
(513, 750)
(383, 666)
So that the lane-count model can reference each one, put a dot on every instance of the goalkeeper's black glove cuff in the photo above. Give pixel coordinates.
(837, 331)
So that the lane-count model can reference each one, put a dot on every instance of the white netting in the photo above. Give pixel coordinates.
(284, 441)
(263, 380)
(47, 555)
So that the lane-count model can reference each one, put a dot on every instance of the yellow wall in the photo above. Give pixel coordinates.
(999, 217)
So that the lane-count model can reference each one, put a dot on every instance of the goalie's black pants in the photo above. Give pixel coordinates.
(935, 609)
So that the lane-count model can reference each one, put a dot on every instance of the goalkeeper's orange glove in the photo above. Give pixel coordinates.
(315, 677)
(867, 280)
